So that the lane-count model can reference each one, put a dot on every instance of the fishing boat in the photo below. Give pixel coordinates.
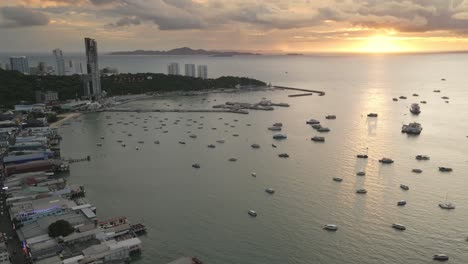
(412, 128)
(415, 109)
(318, 139)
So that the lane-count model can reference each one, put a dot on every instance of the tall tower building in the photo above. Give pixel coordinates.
(60, 63)
(173, 69)
(202, 71)
(19, 64)
(190, 70)
(92, 67)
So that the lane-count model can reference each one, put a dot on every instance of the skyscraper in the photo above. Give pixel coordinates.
(19, 64)
(202, 71)
(92, 68)
(190, 70)
(60, 70)
(173, 68)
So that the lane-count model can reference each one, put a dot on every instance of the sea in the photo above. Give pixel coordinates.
(203, 212)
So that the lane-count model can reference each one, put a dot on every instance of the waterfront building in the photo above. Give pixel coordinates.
(173, 69)
(202, 71)
(190, 70)
(94, 81)
(60, 63)
(19, 64)
(46, 96)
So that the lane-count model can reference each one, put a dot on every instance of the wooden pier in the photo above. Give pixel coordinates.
(320, 93)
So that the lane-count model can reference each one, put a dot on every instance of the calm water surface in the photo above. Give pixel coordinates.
(203, 212)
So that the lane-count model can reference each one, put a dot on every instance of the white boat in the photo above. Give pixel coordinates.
(399, 226)
(330, 227)
(440, 257)
(252, 213)
(412, 128)
(415, 109)
(270, 190)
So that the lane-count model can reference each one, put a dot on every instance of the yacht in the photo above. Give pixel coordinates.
(372, 115)
(415, 109)
(422, 157)
(440, 257)
(279, 136)
(362, 156)
(252, 213)
(274, 128)
(318, 139)
(312, 122)
(399, 226)
(361, 173)
(445, 169)
(270, 190)
(337, 179)
(330, 117)
(412, 128)
(362, 191)
(196, 165)
(417, 170)
(447, 205)
(256, 146)
(404, 187)
(386, 161)
(323, 129)
(283, 155)
(330, 227)
(401, 203)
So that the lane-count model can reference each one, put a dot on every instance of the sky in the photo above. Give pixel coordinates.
(248, 25)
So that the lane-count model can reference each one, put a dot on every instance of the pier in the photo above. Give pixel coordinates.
(301, 94)
(320, 93)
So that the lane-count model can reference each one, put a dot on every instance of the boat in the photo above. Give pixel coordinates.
(193, 136)
(141, 142)
(422, 157)
(440, 257)
(417, 170)
(211, 146)
(447, 205)
(323, 129)
(253, 174)
(156, 142)
(279, 136)
(402, 97)
(423, 102)
(312, 122)
(412, 128)
(330, 227)
(316, 126)
(252, 213)
(362, 156)
(330, 117)
(99, 144)
(137, 148)
(274, 128)
(235, 135)
(119, 141)
(232, 159)
(318, 139)
(445, 97)
(404, 187)
(386, 161)
(436, 91)
(395, 99)
(283, 155)
(255, 146)
(270, 190)
(415, 109)
(123, 145)
(401, 203)
(278, 124)
(361, 191)
(361, 173)
(372, 115)
(196, 165)
(415, 94)
(399, 226)
(220, 141)
(102, 137)
(182, 142)
(129, 134)
(445, 169)
(273, 145)
(337, 179)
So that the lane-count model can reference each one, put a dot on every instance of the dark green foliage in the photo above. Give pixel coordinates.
(60, 228)
(15, 86)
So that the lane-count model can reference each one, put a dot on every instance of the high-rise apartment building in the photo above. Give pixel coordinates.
(60, 63)
(92, 67)
(202, 71)
(190, 70)
(19, 64)
(173, 69)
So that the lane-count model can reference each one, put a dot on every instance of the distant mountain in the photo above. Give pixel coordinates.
(183, 51)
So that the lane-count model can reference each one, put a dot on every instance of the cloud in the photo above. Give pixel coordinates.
(18, 16)
(126, 21)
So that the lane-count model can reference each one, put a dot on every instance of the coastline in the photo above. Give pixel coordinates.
(65, 117)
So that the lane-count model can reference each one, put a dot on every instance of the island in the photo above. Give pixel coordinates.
(184, 51)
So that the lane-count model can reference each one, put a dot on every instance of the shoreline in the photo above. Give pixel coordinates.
(65, 117)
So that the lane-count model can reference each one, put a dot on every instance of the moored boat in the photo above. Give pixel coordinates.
(399, 226)
(330, 227)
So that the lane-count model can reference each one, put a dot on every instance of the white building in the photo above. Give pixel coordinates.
(190, 70)
(74, 67)
(19, 64)
(60, 63)
(202, 71)
(173, 68)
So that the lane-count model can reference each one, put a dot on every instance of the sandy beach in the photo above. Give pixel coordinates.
(63, 118)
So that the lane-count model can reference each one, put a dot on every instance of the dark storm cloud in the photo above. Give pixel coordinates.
(18, 16)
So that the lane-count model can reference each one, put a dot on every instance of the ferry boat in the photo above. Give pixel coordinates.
(415, 109)
(412, 128)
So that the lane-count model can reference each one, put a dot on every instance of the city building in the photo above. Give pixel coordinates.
(94, 81)
(190, 70)
(59, 62)
(202, 71)
(74, 67)
(46, 96)
(19, 64)
(173, 69)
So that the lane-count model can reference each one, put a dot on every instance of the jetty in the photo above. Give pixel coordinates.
(301, 94)
(321, 93)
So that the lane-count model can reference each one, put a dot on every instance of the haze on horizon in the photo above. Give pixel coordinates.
(261, 25)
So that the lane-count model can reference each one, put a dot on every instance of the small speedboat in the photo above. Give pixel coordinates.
(404, 187)
(252, 213)
(220, 141)
(362, 156)
(273, 145)
(395, 99)
(278, 124)
(386, 161)
(337, 179)
(193, 136)
(361, 173)
(316, 126)
(372, 115)
(361, 191)
(401, 203)
(436, 91)
(318, 139)
(330, 227)
(182, 142)
(399, 226)
(440, 257)
(445, 169)
(283, 155)
(402, 97)
(447, 206)
(270, 190)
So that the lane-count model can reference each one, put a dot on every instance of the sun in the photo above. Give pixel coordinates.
(382, 44)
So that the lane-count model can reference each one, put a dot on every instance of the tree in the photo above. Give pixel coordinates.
(60, 228)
